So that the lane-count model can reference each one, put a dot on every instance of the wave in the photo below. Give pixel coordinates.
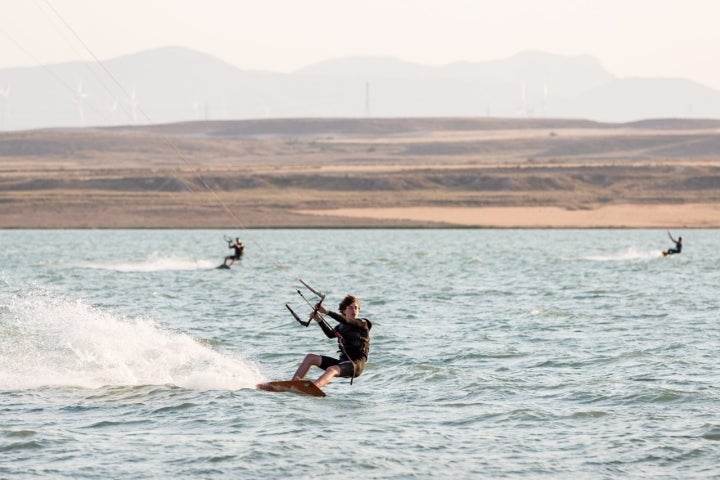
(48, 340)
(155, 262)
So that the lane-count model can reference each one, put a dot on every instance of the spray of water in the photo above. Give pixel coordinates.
(49, 340)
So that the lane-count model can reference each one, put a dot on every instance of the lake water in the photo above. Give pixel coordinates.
(495, 354)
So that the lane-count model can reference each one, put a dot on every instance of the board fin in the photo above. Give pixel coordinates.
(305, 387)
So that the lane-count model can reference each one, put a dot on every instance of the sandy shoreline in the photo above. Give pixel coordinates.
(611, 216)
(690, 215)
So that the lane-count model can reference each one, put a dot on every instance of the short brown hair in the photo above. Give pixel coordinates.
(347, 301)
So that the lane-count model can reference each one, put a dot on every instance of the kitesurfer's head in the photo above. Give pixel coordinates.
(349, 306)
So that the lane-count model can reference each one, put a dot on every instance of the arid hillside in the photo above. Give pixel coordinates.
(276, 173)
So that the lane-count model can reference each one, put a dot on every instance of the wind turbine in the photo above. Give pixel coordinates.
(113, 110)
(367, 99)
(5, 95)
(134, 106)
(197, 107)
(80, 97)
(523, 100)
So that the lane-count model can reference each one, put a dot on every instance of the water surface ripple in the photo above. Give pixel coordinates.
(496, 354)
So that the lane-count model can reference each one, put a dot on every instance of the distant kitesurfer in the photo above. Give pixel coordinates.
(239, 248)
(678, 246)
(353, 334)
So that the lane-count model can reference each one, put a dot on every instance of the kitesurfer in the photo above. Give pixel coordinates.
(353, 334)
(678, 246)
(237, 255)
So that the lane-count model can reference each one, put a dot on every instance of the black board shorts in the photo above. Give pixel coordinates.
(346, 366)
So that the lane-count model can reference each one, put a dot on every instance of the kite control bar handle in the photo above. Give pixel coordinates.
(295, 315)
(315, 307)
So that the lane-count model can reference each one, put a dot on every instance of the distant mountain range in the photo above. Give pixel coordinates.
(176, 84)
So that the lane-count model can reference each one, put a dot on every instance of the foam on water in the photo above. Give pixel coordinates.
(49, 340)
(629, 254)
(155, 262)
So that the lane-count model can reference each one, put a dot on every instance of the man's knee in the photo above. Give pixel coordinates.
(312, 359)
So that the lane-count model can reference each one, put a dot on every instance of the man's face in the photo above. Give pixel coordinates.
(352, 311)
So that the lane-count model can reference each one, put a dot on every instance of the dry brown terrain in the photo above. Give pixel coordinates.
(364, 173)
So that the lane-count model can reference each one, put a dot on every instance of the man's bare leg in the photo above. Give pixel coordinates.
(329, 374)
(310, 360)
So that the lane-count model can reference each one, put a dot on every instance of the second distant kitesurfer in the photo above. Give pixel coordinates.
(239, 248)
(678, 246)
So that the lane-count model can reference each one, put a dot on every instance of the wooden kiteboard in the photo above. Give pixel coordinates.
(305, 387)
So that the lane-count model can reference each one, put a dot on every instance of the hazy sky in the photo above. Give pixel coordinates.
(668, 38)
